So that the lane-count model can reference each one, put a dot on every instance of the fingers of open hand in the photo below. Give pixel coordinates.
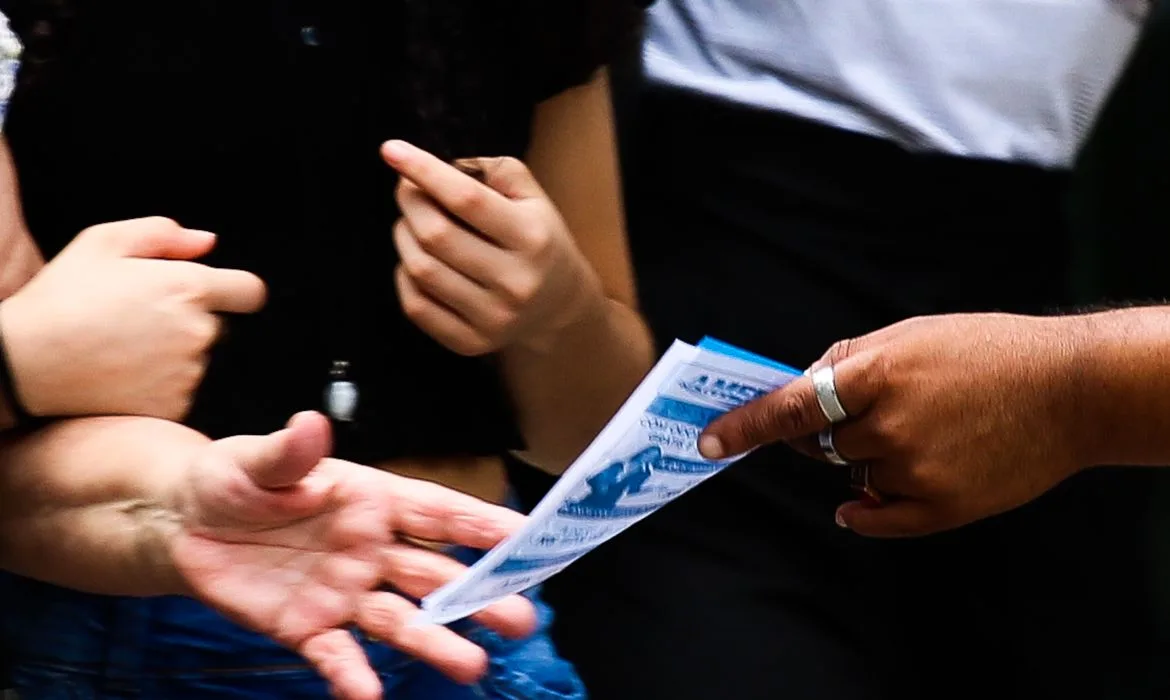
(433, 513)
(417, 572)
(339, 659)
(390, 618)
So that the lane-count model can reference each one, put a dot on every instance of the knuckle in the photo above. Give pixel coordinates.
(414, 307)
(408, 571)
(434, 237)
(472, 346)
(424, 270)
(188, 287)
(402, 192)
(754, 426)
(885, 428)
(95, 232)
(538, 237)
(509, 168)
(520, 288)
(208, 330)
(377, 614)
(497, 322)
(401, 229)
(510, 164)
(840, 350)
(468, 198)
(874, 365)
(793, 415)
(161, 223)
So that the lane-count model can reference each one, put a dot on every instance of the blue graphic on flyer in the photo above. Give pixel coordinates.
(645, 458)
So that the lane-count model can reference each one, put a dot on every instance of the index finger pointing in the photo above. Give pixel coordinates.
(460, 194)
(789, 412)
(234, 291)
(792, 411)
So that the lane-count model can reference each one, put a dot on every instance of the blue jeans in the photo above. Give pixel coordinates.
(66, 645)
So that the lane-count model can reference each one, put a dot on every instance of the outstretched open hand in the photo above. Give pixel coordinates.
(298, 547)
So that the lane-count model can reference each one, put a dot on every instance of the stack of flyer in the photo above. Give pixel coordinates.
(646, 457)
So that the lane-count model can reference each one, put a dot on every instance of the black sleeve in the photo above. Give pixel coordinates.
(1118, 194)
(574, 38)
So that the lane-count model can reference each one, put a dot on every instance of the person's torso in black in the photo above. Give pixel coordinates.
(261, 122)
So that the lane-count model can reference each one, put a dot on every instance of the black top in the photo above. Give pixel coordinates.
(789, 236)
(261, 121)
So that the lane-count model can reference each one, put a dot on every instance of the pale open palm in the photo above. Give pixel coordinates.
(296, 547)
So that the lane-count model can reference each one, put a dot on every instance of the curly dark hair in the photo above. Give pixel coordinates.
(462, 55)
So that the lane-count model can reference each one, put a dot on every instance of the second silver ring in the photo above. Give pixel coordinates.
(825, 438)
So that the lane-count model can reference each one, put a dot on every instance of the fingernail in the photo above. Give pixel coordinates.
(840, 518)
(711, 447)
(396, 150)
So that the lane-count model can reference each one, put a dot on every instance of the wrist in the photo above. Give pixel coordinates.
(583, 316)
(157, 529)
(162, 517)
(164, 525)
(1091, 356)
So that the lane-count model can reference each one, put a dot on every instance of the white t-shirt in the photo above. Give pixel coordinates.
(1016, 80)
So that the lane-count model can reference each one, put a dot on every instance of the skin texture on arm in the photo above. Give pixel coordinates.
(1124, 385)
(568, 389)
(265, 529)
(20, 258)
(81, 504)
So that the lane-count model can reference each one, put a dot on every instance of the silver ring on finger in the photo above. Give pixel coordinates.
(825, 385)
(825, 438)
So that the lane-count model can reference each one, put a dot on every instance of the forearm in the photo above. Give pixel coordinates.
(1124, 385)
(88, 504)
(20, 259)
(566, 392)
